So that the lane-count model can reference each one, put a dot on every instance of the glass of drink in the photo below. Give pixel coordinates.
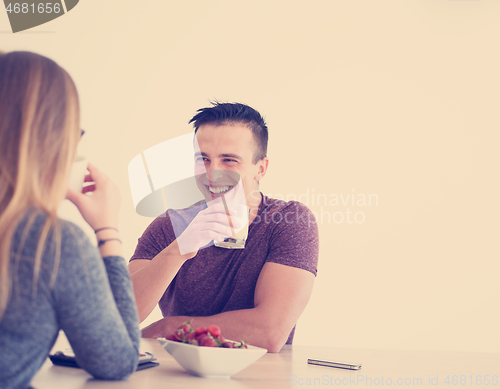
(77, 175)
(226, 186)
(239, 237)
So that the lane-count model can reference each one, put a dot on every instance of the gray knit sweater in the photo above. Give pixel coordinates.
(92, 301)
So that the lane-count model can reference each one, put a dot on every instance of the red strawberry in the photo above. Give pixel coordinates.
(190, 336)
(228, 344)
(172, 337)
(214, 330)
(183, 330)
(202, 337)
(191, 339)
(208, 342)
(201, 330)
(219, 340)
(179, 335)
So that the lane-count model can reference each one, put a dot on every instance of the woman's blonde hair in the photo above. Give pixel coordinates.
(39, 132)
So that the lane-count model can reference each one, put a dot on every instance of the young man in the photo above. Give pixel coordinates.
(256, 293)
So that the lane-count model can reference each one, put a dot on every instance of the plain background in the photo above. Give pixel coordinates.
(397, 99)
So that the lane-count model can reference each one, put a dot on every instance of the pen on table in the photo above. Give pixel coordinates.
(338, 365)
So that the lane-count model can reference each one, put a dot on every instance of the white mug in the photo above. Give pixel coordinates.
(78, 173)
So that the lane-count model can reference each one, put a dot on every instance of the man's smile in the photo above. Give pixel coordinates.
(219, 189)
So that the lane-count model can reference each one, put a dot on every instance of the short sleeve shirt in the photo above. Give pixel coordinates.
(218, 279)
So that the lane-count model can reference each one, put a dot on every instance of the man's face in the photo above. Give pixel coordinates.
(231, 148)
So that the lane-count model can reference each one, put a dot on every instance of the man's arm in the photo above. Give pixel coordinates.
(281, 294)
(151, 278)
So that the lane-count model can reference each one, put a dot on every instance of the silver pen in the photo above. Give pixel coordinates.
(339, 365)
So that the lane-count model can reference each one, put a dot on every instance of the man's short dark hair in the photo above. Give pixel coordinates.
(233, 113)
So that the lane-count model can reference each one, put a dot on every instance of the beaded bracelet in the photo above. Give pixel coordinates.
(101, 242)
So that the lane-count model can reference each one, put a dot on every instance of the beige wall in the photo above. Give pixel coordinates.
(398, 99)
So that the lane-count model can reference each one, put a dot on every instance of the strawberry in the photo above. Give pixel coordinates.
(213, 330)
(208, 342)
(191, 339)
(172, 337)
(183, 330)
(219, 340)
(228, 344)
(201, 330)
(179, 334)
(200, 338)
(190, 336)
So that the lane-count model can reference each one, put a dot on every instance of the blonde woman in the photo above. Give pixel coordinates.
(51, 276)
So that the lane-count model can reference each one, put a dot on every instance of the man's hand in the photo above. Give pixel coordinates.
(210, 224)
(152, 277)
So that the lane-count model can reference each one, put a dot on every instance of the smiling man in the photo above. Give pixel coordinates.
(256, 293)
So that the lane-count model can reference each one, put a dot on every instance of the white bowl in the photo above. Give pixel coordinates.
(212, 362)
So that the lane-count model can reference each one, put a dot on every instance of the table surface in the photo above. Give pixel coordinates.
(289, 368)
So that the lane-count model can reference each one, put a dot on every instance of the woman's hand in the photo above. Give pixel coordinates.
(100, 208)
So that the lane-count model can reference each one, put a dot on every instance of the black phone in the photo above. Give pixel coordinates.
(67, 359)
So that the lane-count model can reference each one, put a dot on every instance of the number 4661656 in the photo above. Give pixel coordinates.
(31, 8)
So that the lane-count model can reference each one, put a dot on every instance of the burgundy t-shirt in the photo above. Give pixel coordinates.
(218, 279)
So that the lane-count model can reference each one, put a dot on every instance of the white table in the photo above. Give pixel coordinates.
(289, 368)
